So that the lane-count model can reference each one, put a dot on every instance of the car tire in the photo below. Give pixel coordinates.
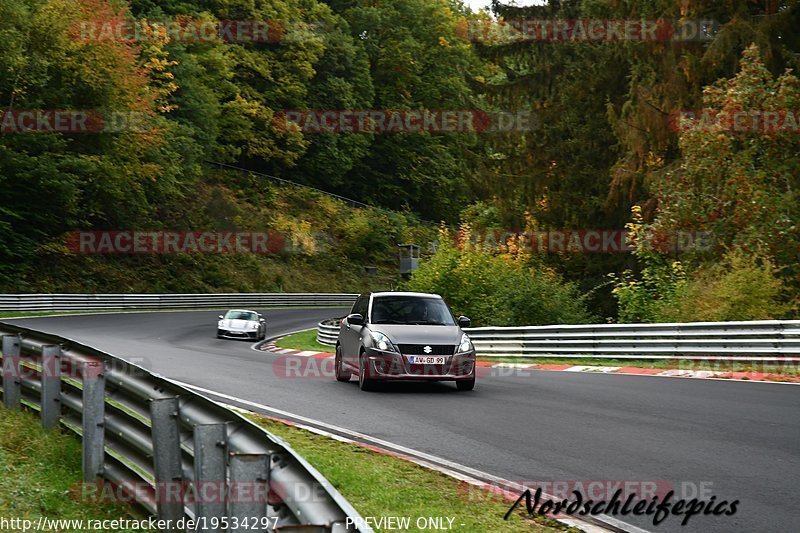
(364, 383)
(219, 333)
(341, 374)
(466, 384)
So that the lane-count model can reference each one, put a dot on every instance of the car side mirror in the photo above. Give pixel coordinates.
(356, 319)
(464, 321)
(220, 317)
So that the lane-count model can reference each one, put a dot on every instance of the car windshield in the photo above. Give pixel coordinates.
(241, 315)
(410, 310)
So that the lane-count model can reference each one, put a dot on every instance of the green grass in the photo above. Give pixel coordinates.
(381, 485)
(304, 340)
(8, 314)
(40, 474)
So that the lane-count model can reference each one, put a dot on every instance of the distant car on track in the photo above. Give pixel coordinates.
(241, 324)
(404, 336)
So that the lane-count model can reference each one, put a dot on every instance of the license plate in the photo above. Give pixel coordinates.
(425, 360)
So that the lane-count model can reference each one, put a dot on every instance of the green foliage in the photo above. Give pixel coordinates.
(217, 100)
(481, 216)
(326, 246)
(604, 134)
(739, 182)
(417, 60)
(641, 299)
(52, 182)
(742, 286)
(602, 141)
(497, 289)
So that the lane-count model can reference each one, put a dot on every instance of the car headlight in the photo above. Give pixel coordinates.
(220, 324)
(382, 342)
(465, 345)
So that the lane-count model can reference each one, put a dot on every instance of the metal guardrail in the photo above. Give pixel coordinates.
(768, 340)
(765, 340)
(118, 302)
(328, 331)
(172, 452)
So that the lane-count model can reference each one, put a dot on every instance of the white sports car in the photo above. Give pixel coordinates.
(241, 324)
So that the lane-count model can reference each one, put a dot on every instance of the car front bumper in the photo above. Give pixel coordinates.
(238, 334)
(392, 366)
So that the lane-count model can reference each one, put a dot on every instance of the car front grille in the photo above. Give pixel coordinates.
(419, 349)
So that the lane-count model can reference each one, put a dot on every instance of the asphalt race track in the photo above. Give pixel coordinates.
(740, 440)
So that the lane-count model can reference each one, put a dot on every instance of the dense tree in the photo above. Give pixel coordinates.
(52, 181)
(603, 138)
(418, 60)
(739, 177)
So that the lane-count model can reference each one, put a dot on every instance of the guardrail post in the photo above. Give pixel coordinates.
(210, 479)
(94, 413)
(249, 486)
(12, 393)
(51, 385)
(167, 465)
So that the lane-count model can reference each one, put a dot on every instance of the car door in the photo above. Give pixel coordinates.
(350, 335)
(346, 334)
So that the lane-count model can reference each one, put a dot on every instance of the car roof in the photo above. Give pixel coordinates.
(417, 294)
(241, 311)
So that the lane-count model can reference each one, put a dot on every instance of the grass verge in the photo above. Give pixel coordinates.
(40, 474)
(9, 314)
(382, 485)
(304, 340)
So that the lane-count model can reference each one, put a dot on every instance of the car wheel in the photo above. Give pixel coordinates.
(219, 334)
(364, 383)
(466, 384)
(341, 373)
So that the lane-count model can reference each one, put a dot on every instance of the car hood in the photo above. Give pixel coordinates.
(238, 324)
(412, 334)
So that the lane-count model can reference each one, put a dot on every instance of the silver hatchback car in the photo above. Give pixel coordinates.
(404, 336)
